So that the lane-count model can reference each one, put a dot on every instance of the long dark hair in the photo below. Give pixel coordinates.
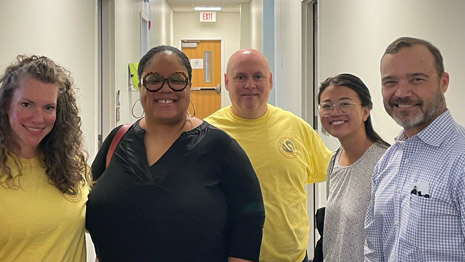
(362, 92)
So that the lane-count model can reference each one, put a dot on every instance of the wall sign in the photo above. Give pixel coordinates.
(207, 16)
(197, 63)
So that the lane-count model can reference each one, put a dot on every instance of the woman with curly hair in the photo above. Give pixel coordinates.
(43, 171)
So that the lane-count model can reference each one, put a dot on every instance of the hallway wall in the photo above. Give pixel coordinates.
(67, 35)
(161, 32)
(256, 24)
(288, 55)
(128, 47)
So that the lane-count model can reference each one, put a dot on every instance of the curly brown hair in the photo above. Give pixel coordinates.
(65, 157)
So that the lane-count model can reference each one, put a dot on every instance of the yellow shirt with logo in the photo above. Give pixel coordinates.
(286, 154)
(37, 221)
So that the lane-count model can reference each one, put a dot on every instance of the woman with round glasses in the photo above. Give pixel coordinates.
(176, 188)
(344, 109)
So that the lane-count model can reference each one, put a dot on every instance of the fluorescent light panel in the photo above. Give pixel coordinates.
(205, 8)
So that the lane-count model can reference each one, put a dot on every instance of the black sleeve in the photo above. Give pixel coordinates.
(98, 165)
(246, 213)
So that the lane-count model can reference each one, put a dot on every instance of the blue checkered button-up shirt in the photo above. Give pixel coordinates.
(417, 209)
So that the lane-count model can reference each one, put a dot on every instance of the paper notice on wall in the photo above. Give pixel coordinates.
(197, 63)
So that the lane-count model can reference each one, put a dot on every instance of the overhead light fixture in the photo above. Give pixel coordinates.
(205, 8)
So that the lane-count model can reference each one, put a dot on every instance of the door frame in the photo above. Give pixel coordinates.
(224, 95)
(316, 193)
(106, 74)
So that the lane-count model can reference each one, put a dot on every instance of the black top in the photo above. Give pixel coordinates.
(200, 201)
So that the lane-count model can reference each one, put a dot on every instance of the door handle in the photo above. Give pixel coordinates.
(217, 88)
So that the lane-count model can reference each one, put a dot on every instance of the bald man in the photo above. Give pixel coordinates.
(285, 152)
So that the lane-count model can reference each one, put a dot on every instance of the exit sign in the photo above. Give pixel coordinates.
(207, 16)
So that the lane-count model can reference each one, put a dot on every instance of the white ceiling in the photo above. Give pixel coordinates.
(188, 5)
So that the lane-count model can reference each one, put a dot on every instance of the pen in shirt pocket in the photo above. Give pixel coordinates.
(421, 189)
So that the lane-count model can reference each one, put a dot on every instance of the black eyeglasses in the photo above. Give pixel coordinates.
(153, 82)
(344, 107)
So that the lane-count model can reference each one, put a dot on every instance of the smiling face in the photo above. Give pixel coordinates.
(165, 105)
(249, 81)
(340, 125)
(32, 114)
(413, 92)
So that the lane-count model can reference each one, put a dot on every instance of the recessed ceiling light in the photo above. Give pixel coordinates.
(204, 8)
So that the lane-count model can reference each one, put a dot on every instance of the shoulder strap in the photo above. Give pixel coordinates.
(115, 141)
(331, 165)
(334, 160)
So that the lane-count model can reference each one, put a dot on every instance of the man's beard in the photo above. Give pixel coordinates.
(425, 116)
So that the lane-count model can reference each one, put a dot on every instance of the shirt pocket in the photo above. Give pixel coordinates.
(426, 216)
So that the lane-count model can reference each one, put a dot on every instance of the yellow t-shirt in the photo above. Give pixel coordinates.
(37, 221)
(286, 154)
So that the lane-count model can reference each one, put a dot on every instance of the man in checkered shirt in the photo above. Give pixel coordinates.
(417, 209)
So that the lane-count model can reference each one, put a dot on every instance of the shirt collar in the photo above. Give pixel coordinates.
(435, 132)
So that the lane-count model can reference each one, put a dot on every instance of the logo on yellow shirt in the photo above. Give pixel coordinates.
(73, 195)
(287, 147)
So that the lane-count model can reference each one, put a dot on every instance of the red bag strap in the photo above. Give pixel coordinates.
(115, 141)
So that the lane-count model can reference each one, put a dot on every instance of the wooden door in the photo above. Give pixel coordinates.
(205, 57)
